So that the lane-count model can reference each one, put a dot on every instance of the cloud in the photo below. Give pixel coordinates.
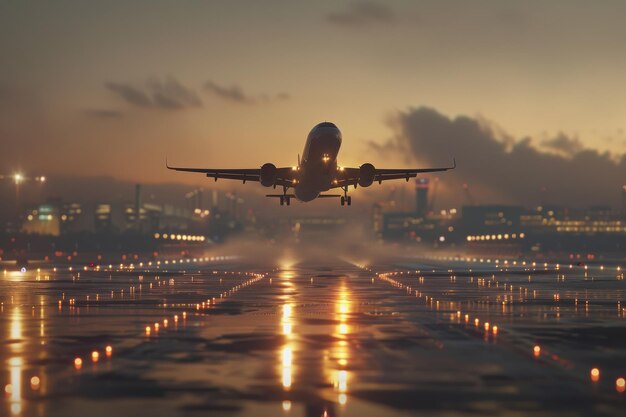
(232, 93)
(509, 171)
(130, 94)
(362, 13)
(104, 113)
(236, 94)
(168, 95)
(563, 144)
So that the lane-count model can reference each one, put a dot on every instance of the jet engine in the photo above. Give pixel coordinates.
(268, 175)
(367, 172)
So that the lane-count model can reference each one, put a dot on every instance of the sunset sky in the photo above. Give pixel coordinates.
(111, 88)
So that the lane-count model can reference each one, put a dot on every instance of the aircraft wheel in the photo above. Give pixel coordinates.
(288, 201)
(349, 200)
(282, 201)
(343, 201)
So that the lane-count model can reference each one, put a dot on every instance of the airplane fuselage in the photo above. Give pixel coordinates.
(318, 166)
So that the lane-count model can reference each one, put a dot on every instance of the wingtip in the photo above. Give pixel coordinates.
(453, 163)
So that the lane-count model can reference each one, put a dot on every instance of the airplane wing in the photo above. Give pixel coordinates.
(284, 176)
(351, 175)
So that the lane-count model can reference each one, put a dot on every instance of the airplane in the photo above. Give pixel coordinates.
(316, 173)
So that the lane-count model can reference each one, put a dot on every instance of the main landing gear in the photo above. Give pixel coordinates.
(345, 198)
(285, 198)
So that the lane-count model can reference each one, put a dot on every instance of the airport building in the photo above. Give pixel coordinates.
(509, 227)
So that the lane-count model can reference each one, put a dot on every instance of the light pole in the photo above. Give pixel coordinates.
(18, 178)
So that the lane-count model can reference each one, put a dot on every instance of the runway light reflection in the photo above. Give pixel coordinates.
(286, 367)
(14, 389)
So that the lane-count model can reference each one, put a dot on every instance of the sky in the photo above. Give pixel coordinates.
(112, 88)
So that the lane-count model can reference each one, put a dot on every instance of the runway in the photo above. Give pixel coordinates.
(319, 336)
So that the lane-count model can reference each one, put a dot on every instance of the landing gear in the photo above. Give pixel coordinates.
(345, 198)
(285, 198)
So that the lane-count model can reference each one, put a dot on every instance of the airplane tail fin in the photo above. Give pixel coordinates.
(298, 160)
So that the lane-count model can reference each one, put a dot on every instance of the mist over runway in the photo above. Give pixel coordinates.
(313, 335)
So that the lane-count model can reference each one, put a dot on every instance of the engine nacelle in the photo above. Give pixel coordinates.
(367, 172)
(268, 174)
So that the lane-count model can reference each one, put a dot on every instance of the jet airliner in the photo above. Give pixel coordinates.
(317, 171)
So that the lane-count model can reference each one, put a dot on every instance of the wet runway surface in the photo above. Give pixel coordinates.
(393, 337)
